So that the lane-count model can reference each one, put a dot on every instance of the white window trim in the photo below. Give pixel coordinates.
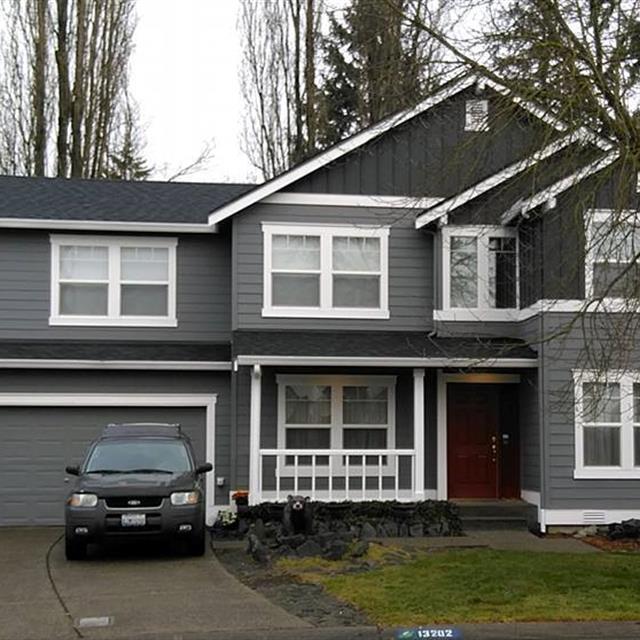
(626, 469)
(483, 311)
(326, 234)
(336, 383)
(113, 244)
(602, 215)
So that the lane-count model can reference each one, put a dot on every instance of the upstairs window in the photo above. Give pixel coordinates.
(480, 268)
(611, 265)
(104, 280)
(325, 271)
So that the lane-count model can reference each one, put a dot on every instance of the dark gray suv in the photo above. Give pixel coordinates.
(138, 481)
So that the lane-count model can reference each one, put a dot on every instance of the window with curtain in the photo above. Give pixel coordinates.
(325, 271)
(295, 271)
(607, 423)
(107, 280)
(602, 423)
(613, 244)
(336, 413)
(481, 268)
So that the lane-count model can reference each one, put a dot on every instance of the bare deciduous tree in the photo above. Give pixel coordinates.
(66, 119)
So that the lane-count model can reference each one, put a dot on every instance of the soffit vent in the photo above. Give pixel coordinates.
(593, 517)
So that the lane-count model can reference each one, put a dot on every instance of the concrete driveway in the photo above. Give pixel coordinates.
(146, 593)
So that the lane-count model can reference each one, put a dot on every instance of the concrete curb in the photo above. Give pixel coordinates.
(497, 631)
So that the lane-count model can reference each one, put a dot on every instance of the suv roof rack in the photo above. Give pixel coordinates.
(118, 430)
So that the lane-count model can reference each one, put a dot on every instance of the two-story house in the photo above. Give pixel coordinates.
(375, 323)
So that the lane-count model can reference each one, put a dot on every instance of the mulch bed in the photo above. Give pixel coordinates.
(307, 601)
(604, 544)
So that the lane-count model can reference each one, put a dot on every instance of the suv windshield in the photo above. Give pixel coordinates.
(142, 456)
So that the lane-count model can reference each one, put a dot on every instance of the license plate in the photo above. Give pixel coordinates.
(133, 520)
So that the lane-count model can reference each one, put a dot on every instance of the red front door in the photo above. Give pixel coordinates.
(472, 432)
(482, 441)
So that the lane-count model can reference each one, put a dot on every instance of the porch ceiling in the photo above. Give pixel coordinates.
(377, 344)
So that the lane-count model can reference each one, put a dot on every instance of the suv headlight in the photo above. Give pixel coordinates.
(83, 500)
(185, 497)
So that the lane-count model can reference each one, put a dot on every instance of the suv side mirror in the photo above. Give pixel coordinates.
(73, 470)
(204, 468)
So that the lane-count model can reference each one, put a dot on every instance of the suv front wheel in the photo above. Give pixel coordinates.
(74, 550)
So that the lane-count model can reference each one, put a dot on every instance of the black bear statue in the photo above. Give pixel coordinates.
(297, 516)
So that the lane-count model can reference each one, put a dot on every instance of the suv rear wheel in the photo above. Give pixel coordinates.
(74, 550)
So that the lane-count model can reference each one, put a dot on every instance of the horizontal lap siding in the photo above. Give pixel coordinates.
(203, 290)
(120, 382)
(560, 357)
(410, 267)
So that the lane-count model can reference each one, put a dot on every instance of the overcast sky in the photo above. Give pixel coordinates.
(185, 79)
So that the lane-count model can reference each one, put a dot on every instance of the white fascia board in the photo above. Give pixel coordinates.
(524, 206)
(339, 361)
(106, 225)
(497, 178)
(337, 151)
(154, 365)
(348, 200)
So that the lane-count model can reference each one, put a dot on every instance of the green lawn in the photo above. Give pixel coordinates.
(490, 586)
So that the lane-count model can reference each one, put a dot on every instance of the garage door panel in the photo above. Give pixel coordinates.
(37, 443)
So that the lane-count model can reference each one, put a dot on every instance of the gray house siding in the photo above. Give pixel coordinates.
(203, 291)
(432, 154)
(410, 267)
(561, 356)
(529, 431)
(119, 382)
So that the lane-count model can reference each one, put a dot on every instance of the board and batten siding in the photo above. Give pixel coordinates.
(432, 154)
(411, 281)
(151, 383)
(203, 292)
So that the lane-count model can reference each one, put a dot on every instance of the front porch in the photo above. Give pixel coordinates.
(398, 421)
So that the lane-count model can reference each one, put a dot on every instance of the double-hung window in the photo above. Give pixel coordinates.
(480, 271)
(325, 271)
(329, 412)
(105, 280)
(612, 246)
(607, 422)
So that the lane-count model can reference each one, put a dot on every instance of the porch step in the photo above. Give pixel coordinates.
(491, 515)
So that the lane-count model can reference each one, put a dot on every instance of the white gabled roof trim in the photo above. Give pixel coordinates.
(498, 178)
(524, 206)
(337, 151)
(106, 225)
(157, 365)
(357, 361)
(348, 200)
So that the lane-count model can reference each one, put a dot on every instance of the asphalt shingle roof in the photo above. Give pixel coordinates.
(115, 350)
(114, 200)
(375, 344)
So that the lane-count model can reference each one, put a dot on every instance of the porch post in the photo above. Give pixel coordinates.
(418, 431)
(254, 435)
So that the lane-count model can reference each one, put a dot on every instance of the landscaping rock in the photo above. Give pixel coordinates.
(403, 530)
(257, 549)
(335, 550)
(359, 549)
(390, 528)
(292, 541)
(259, 529)
(367, 531)
(416, 530)
(309, 549)
(381, 532)
(586, 531)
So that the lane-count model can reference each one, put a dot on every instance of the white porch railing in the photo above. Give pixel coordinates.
(336, 474)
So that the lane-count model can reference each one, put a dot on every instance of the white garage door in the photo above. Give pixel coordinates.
(37, 443)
